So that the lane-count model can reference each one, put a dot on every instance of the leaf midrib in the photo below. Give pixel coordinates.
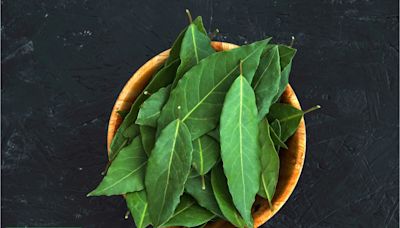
(241, 136)
(169, 168)
(265, 70)
(194, 44)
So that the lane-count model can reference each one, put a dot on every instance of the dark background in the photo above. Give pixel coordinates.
(65, 61)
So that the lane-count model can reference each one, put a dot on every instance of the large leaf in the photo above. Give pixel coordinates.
(148, 136)
(286, 55)
(205, 197)
(167, 170)
(137, 204)
(288, 116)
(223, 197)
(195, 46)
(176, 47)
(205, 154)
(198, 97)
(151, 108)
(126, 172)
(266, 80)
(163, 78)
(239, 146)
(189, 214)
(276, 134)
(269, 163)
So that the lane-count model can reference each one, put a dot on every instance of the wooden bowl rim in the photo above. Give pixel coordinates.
(138, 81)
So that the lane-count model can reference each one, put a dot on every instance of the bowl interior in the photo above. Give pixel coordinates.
(291, 160)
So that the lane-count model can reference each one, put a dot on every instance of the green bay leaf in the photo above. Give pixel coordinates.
(148, 136)
(198, 97)
(223, 197)
(286, 55)
(189, 214)
(205, 154)
(269, 163)
(288, 116)
(195, 47)
(162, 78)
(167, 170)
(239, 146)
(151, 108)
(176, 47)
(266, 80)
(125, 173)
(137, 205)
(276, 134)
(204, 197)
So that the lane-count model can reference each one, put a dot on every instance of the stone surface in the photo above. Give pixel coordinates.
(65, 61)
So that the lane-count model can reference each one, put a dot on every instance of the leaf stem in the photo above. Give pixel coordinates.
(203, 183)
(189, 16)
(126, 214)
(292, 42)
(312, 109)
(241, 67)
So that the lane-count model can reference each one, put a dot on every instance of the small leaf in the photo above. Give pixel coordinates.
(286, 55)
(204, 198)
(151, 108)
(148, 135)
(205, 154)
(223, 197)
(195, 47)
(207, 82)
(239, 146)
(162, 78)
(167, 170)
(137, 204)
(266, 80)
(288, 116)
(276, 133)
(126, 172)
(269, 163)
(189, 214)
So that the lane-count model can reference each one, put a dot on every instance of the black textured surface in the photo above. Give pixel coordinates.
(65, 61)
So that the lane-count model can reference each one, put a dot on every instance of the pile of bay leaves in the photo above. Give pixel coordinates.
(203, 138)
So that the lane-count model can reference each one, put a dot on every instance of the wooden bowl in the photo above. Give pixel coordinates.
(291, 160)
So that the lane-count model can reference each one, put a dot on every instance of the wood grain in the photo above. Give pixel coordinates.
(292, 160)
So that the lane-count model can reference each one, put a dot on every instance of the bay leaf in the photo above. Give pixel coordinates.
(204, 197)
(269, 163)
(162, 78)
(239, 146)
(207, 82)
(276, 134)
(195, 47)
(288, 116)
(189, 214)
(167, 170)
(125, 173)
(266, 80)
(223, 197)
(286, 55)
(176, 47)
(205, 154)
(137, 205)
(150, 110)
(148, 136)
